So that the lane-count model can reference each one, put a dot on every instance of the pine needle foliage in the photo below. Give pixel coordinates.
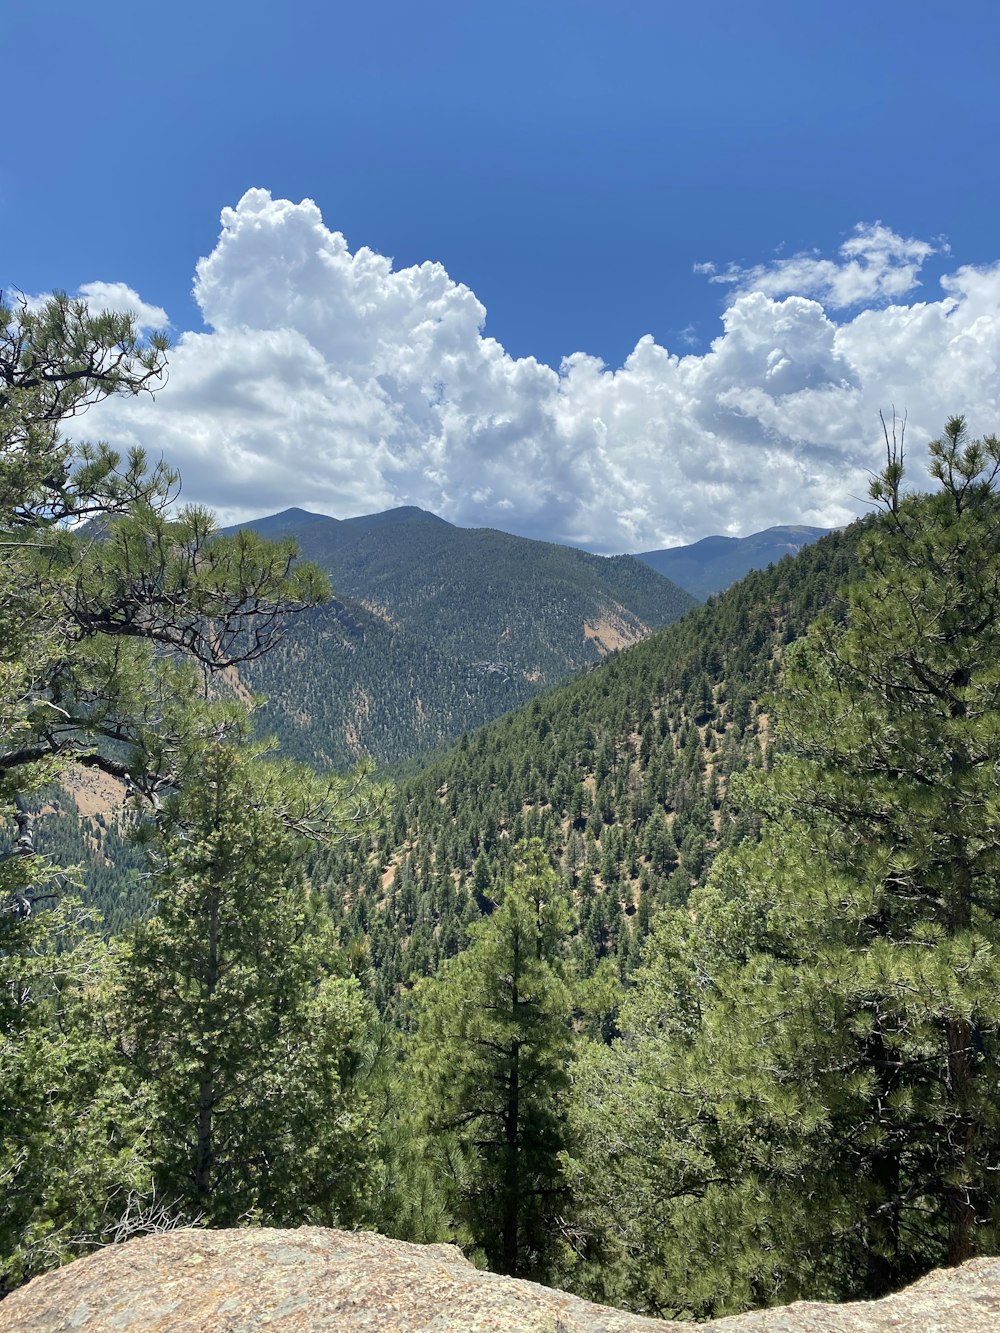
(245, 1029)
(818, 1037)
(119, 621)
(490, 1056)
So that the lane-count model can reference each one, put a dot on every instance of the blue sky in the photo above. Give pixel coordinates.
(572, 163)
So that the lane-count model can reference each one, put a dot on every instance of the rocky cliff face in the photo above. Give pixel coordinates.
(316, 1279)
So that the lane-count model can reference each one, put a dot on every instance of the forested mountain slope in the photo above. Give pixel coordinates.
(434, 630)
(84, 827)
(622, 772)
(714, 563)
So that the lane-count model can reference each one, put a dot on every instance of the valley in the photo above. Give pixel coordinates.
(670, 906)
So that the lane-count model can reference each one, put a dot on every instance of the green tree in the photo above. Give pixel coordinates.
(72, 1149)
(247, 1034)
(70, 1144)
(491, 1055)
(115, 611)
(109, 629)
(821, 1032)
(56, 360)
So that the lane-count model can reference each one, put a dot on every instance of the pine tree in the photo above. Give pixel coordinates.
(245, 1032)
(112, 627)
(894, 727)
(109, 633)
(820, 1033)
(71, 1151)
(72, 1147)
(491, 1055)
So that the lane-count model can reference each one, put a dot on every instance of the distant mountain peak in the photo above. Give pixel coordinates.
(300, 515)
(294, 519)
(401, 514)
(287, 523)
(712, 564)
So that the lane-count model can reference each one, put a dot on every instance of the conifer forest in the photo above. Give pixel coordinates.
(668, 975)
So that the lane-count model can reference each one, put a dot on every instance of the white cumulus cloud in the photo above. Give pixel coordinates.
(875, 264)
(120, 299)
(333, 381)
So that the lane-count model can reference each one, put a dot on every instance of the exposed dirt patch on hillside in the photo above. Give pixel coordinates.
(95, 793)
(355, 721)
(614, 631)
(233, 682)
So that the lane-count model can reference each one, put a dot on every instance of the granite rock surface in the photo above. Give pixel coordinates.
(319, 1279)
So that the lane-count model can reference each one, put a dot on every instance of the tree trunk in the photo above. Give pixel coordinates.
(512, 1118)
(512, 1165)
(883, 1273)
(960, 1191)
(207, 1090)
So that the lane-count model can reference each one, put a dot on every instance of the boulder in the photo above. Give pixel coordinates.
(319, 1279)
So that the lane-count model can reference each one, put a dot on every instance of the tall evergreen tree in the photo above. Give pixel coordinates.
(245, 1032)
(72, 1139)
(894, 732)
(108, 632)
(819, 1036)
(491, 1051)
(111, 627)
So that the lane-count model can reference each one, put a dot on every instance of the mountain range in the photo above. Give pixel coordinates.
(714, 563)
(623, 773)
(435, 629)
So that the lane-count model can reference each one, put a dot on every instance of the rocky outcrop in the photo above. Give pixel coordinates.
(316, 1279)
